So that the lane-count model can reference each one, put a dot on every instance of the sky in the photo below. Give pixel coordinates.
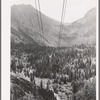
(75, 9)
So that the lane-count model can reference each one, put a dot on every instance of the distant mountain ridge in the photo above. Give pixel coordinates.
(84, 29)
(25, 28)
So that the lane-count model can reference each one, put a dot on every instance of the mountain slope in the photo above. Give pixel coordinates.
(25, 28)
(24, 20)
(83, 30)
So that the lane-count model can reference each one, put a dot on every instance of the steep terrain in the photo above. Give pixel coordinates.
(25, 28)
(83, 30)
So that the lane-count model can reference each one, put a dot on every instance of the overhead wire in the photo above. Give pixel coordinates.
(61, 23)
(64, 13)
(37, 13)
(39, 18)
(41, 22)
(62, 20)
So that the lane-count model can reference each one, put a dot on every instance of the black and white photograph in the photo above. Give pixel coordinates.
(53, 50)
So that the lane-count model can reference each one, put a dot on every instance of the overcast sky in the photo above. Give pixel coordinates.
(75, 8)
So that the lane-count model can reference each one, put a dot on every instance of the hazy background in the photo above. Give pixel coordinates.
(75, 8)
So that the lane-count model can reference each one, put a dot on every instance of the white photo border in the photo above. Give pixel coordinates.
(5, 49)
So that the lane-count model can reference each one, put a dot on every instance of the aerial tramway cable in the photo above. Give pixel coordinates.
(41, 22)
(64, 10)
(39, 18)
(37, 15)
(64, 13)
(61, 23)
(62, 20)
